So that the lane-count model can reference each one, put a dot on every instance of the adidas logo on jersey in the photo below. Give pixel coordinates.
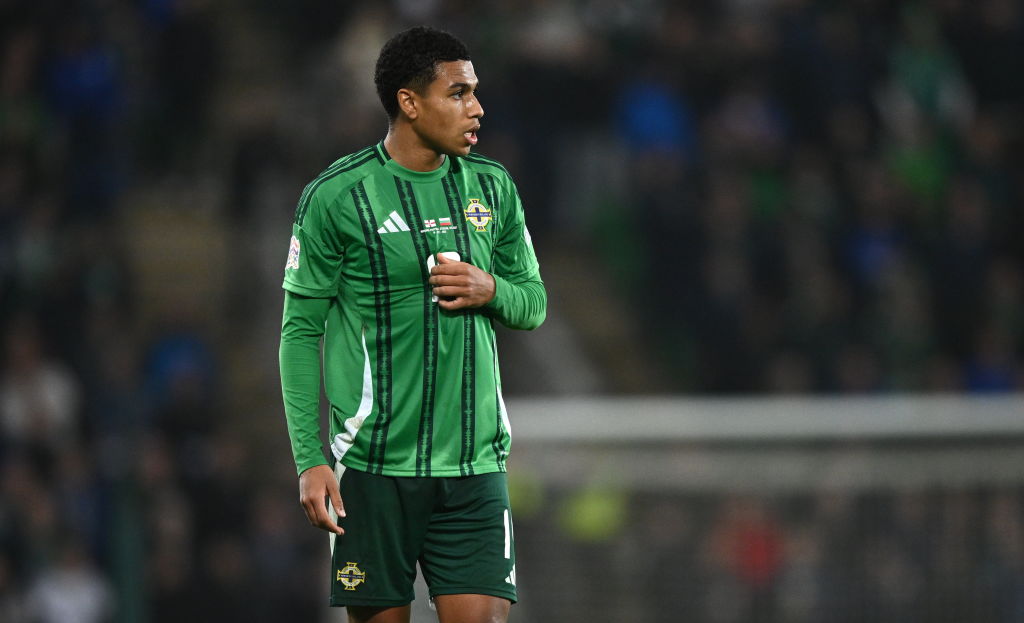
(393, 224)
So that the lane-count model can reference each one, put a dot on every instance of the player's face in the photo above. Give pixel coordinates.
(449, 111)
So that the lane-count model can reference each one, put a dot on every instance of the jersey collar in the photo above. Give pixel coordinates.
(410, 175)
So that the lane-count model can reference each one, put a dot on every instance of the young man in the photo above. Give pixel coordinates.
(401, 257)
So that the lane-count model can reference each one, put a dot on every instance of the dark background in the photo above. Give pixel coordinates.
(727, 198)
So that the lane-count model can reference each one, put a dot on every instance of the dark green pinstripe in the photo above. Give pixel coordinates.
(468, 395)
(455, 208)
(382, 308)
(424, 443)
(330, 171)
(478, 159)
(348, 163)
(334, 167)
(491, 195)
(451, 191)
(496, 443)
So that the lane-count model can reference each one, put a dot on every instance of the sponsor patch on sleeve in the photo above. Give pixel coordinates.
(294, 249)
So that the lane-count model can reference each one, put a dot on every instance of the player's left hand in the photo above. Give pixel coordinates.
(459, 285)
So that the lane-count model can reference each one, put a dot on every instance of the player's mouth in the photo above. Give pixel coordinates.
(471, 136)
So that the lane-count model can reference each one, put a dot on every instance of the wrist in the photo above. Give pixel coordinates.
(497, 293)
(493, 289)
(308, 465)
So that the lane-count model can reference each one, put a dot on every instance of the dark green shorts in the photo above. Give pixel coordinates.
(459, 530)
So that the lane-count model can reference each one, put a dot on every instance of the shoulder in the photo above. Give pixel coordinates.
(346, 172)
(483, 164)
(333, 183)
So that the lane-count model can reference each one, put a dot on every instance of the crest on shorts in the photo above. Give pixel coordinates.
(351, 576)
(293, 255)
(478, 214)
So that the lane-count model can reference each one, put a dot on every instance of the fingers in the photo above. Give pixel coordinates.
(449, 280)
(451, 291)
(316, 486)
(317, 512)
(451, 268)
(450, 286)
(453, 304)
(464, 285)
(308, 508)
(335, 495)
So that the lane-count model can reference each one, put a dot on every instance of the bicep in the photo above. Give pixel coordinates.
(514, 257)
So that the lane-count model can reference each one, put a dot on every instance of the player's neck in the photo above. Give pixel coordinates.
(406, 149)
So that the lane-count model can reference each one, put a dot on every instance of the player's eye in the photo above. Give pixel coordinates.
(457, 95)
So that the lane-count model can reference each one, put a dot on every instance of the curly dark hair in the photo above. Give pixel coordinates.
(409, 60)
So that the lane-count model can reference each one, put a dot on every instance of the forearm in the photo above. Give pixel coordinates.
(518, 305)
(301, 329)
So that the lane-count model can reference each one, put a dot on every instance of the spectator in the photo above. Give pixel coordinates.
(73, 591)
(39, 397)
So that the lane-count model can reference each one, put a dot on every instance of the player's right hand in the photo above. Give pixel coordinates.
(317, 485)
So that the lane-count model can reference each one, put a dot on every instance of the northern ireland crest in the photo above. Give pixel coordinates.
(478, 214)
(351, 576)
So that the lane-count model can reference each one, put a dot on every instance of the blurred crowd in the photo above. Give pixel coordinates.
(125, 492)
(799, 196)
(946, 555)
(825, 197)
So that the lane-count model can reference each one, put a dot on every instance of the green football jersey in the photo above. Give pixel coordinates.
(414, 390)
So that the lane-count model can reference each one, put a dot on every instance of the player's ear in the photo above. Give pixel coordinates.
(407, 103)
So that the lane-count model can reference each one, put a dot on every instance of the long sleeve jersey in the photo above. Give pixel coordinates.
(414, 390)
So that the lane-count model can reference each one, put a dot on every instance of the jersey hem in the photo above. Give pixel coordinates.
(434, 473)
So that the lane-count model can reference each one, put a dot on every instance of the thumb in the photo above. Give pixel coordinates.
(442, 258)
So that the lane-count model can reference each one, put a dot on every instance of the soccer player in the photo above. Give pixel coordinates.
(402, 256)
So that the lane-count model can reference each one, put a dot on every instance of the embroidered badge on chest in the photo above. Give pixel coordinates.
(478, 214)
